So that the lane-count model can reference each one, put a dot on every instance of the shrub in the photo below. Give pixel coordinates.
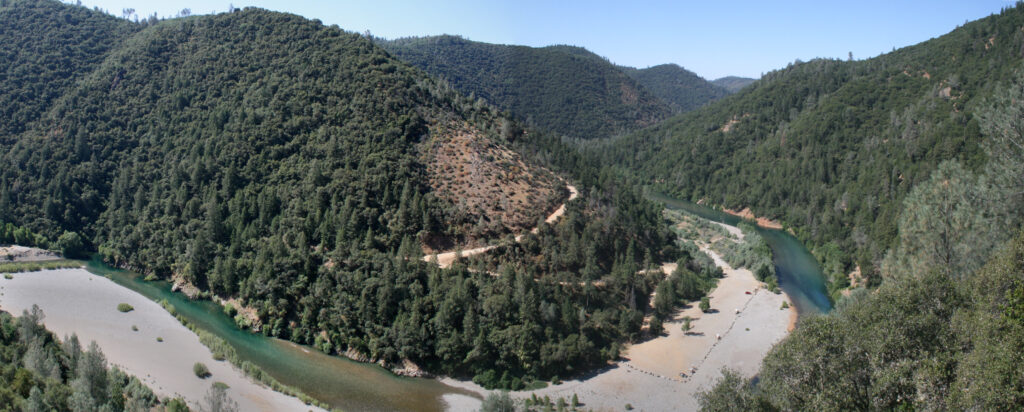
(656, 325)
(705, 304)
(71, 245)
(124, 307)
(159, 339)
(785, 305)
(8, 276)
(200, 370)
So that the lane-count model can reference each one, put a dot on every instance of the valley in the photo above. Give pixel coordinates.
(260, 210)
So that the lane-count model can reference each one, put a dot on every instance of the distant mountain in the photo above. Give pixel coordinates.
(683, 89)
(908, 169)
(733, 83)
(832, 147)
(565, 89)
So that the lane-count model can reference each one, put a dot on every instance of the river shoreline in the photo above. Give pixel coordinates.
(648, 375)
(78, 302)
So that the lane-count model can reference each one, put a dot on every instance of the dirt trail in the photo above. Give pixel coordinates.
(446, 259)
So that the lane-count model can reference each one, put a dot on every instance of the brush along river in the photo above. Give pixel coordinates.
(799, 274)
(340, 382)
(351, 385)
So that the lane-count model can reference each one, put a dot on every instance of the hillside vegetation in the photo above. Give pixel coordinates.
(40, 373)
(832, 148)
(733, 83)
(563, 89)
(303, 170)
(681, 88)
(945, 328)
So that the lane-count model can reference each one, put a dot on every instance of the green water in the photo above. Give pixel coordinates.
(799, 274)
(355, 386)
(342, 383)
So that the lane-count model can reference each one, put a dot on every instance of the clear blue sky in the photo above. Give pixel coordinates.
(711, 38)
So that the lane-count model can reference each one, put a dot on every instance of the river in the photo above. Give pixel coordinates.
(798, 271)
(340, 382)
(350, 385)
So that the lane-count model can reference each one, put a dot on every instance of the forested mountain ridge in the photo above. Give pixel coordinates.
(49, 57)
(263, 156)
(683, 89)
(832, 147)
(564, 89)
(733, 83)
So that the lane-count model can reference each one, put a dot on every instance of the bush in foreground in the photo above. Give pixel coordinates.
(201, 371)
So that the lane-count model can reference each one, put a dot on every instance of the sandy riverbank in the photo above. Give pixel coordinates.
(76, 301)
(648, 377)
(746, 213)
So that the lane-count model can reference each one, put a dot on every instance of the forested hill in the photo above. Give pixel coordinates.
(44, 57)
(683, 89)
(733, 83)
(568, 90)
(303, 170)
(832, 147)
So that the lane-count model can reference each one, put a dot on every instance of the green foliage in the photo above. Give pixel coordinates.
(832, 147)
(681, 88)
(943, 331)
(217, 400)
(51, 55)
(265, 157)
(733, 84)
(731, 393)
(705, 304)
(124, 307)
(35, 266)
(71, 245)
(39, 373)
(752, 253)
(926, 341)
(498, 402)
(201, 371)
(18, 235)
(564, 89)
(176, 405)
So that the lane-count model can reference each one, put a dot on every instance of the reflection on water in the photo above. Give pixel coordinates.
(340, 382)
(799, 274)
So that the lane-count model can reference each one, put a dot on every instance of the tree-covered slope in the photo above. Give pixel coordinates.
(40, 373)
(733, 83)
(564, 89)
(832, 147)
(683, 89)
(43, 58)
(301, 169)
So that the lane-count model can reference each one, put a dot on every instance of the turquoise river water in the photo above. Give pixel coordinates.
(350, 385)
